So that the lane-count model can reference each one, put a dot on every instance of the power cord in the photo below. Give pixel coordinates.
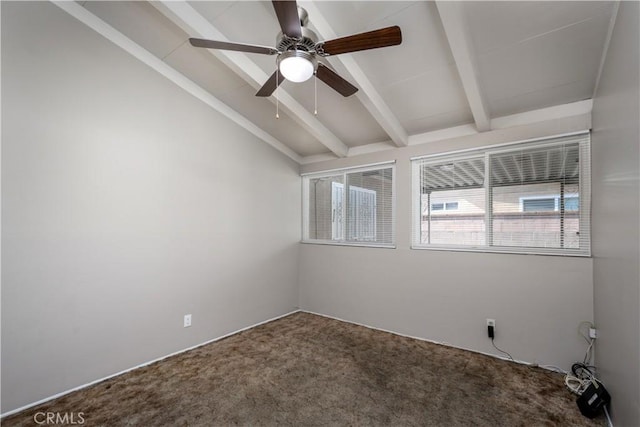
(588, 356)
(608, 417)
(553, 368)
(491, 330)
(583, 376)
(501, 351)
(580, 378)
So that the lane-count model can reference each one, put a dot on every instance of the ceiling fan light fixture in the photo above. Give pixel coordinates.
(297, 49)
(297, 66)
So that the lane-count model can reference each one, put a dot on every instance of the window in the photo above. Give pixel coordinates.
(539, 205)
(549, 203)
(572, 203)
(448, 222)
(352, 206)
(447, 206)
(528, 197)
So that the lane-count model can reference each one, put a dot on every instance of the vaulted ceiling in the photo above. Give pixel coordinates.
(462, 66)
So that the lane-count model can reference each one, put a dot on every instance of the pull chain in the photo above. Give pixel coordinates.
(315, 94)
(277, 87)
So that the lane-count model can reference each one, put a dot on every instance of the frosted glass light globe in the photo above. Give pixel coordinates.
(296, 69)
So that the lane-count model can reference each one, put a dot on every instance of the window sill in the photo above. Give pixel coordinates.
(499, 250)
(359, 245)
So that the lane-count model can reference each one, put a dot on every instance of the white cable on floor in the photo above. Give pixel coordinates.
(575, 384)
(554, 368)
(608, 417)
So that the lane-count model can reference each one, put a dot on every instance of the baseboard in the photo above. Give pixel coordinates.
(57, 395)
(521, 362)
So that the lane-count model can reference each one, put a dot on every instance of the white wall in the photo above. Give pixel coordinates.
(616, 217)
(126, 203)
(537, 301)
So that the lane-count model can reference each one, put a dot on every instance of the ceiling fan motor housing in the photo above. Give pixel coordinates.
(306, 43)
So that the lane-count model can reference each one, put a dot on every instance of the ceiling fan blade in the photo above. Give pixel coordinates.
(383, 37)
(271, 84)
(334, 81)
(213, 44)
(287, 13)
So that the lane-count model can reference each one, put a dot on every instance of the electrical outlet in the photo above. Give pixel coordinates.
(491, 328)
(187, 320)
(593, 333)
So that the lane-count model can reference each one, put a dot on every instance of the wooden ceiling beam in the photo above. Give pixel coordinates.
(455, 27)
(367, 94)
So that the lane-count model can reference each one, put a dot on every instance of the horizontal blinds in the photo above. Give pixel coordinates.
(370, 206)
(325, 207)
(354, 206)
(452, 175)
(531, 197)
(535, 197)
(452, 202)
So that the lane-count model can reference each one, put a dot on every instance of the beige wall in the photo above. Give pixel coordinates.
(538, 301)
(126, 203)
(616, 217)
(118, 218)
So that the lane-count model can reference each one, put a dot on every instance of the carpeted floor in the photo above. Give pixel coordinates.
(307, 370)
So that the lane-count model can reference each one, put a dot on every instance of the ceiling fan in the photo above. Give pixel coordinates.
(297, 49)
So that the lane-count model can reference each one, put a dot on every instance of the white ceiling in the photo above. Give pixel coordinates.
(460, 63)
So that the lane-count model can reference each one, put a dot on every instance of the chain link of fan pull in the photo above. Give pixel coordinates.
(277, 88)
(315, 93)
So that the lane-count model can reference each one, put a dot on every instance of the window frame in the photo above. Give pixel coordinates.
(584, 190)
(345, 171)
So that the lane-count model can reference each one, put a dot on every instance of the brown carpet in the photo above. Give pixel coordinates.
(307, 370)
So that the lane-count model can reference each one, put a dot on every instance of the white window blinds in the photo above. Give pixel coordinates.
(452, 202)
(529, 197)
(350, 206)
